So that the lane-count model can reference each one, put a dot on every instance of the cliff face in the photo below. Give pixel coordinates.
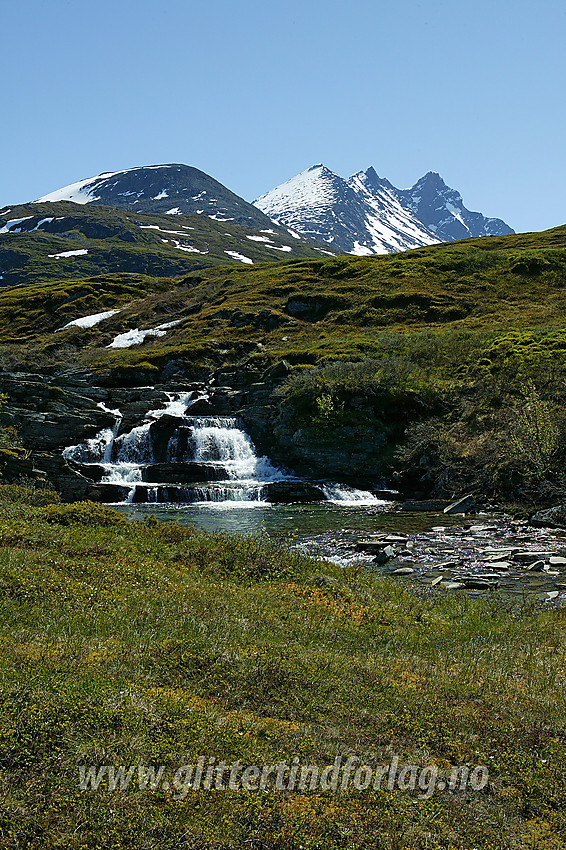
(56, 411)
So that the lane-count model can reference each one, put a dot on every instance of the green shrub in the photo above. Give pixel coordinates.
(28, 494)
(83, 513)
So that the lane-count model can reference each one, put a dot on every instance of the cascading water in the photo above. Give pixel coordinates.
(341, 494)
(190, 459)
(220, 439)
(201, 442)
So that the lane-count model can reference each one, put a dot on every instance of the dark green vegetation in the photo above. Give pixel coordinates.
(121, 241)
(149, 643)
(446, 363)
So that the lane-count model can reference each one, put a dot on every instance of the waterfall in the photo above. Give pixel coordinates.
(193, 459)
(196, 441)
(134, 447)
(92, 450)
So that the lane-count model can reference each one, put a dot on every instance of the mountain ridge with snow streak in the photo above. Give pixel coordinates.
(368, 215)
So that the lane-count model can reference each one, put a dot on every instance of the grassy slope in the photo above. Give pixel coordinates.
(475, 288)
(452, 335)
(120, 241)
(150, 643)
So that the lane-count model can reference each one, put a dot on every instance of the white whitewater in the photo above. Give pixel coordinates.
(342, 494)
(220, 439)
(216, 440)
(212, 439)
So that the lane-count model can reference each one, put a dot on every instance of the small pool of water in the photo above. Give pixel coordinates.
(283, 520)
(440, 551)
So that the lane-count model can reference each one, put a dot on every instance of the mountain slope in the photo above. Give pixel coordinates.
(442, 210)
(167, 189)
(354, 216)
(368, 215)
(64, 241)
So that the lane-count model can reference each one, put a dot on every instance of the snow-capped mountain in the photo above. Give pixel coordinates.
(356, 216)
(368, 215)
(165, 189)
(442, 210)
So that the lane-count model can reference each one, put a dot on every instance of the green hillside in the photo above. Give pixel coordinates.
(120, 241)
(434, 352)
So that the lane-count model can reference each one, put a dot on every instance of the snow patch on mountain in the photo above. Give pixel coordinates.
(64, 254)
(90, 321)
(240, 257)
(135, 336)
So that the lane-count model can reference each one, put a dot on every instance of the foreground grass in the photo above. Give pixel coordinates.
(148, 643)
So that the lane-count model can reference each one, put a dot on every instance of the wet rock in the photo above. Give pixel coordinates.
(536, 567)
(461, 506)
(371, 546)
(531, 557)
(385, 555)
(402, 571)
(94, 471)
(202, 406)
(183, 473)
(387, 495)
(500, 555)
(502, 566)
(473, 583)
(107, 493)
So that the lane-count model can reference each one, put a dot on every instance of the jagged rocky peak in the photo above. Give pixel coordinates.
(171, 189)
(442, 210)
(317, 186)
(358, 216)
(368, 215)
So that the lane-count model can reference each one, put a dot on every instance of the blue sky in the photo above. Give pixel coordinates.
(253, 92)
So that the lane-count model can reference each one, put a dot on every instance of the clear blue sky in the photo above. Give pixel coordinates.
(254, 91)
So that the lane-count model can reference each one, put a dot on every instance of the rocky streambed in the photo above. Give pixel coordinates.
(486, 555)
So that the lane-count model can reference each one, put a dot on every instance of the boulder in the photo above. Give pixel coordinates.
(531, 557)
(107, 493)
(550, 517)
(70, 484)
(461, 506)
(202, 406)
(277, 372)
(183, 473)
(385, 555)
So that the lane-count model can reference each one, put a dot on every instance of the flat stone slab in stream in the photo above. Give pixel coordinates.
(531, 557)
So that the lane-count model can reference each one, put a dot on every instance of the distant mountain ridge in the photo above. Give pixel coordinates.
(368, 215)
(365, 214)
(66, 240)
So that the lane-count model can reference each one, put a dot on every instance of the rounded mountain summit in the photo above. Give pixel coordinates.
(171, 189)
